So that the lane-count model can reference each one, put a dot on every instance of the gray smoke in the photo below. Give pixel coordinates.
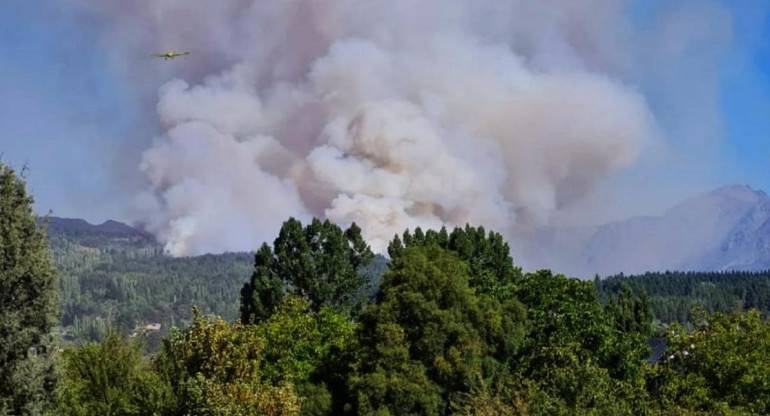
(391, 114)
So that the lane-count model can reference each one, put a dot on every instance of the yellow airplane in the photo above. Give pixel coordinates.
(170, 55)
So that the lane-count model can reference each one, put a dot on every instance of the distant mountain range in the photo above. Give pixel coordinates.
(725, 229)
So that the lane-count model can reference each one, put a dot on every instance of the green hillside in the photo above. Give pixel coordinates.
(674, 295)
(117, 275)
(132, 288)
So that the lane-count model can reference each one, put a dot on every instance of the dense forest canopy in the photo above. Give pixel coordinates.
(675, 295)
(131, 289)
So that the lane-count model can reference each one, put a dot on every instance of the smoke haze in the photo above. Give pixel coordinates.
(507, 114)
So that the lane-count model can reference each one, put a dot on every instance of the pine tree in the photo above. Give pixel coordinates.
(28, 299)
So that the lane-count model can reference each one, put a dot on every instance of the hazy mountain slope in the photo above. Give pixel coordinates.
(725, 229)
(110, 234)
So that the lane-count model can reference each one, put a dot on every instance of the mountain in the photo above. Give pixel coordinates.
(116, 275)
(725, 229)
(110, 234)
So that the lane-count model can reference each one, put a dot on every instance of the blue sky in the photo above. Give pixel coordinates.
(746, 97)
(58, 110)
(65, 114)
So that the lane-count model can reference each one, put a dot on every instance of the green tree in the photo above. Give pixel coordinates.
(430, 339)
(574, 353)
(111, 379)
(262, 294)
(631, 314)
(310, 350)
(28, 297)
(482, 402)
(214, 369)
(321, 263)
(673, 295)
(488, 256)
(722, 367)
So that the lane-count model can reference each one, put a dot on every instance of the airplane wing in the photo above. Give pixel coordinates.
(158, 55)
(184, 53)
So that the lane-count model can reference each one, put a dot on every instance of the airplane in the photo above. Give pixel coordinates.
(170, 55)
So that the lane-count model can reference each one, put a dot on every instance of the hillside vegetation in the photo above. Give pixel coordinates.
(115, 276)
(674, 296)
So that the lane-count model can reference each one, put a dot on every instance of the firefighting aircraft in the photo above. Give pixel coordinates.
(170, 55)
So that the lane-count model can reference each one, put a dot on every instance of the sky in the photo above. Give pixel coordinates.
(68, 114)
(62, 114)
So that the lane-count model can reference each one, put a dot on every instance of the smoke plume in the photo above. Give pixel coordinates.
(391, 114)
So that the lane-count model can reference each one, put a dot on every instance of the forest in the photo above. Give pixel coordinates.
(104, 286)
(108, 284)
(320, 326)
(676, 296)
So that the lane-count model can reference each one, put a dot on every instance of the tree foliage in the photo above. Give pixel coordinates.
(28, 297)
(320, 263)
(215, 369)
(110, 378)
(310, 350)
(631, 314)
(674, 296)
(128, 289)
(430, 339)
(723, 367)
(487, 256)
(574, 353)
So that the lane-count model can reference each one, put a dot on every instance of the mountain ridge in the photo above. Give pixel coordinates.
(725, 229)
(109, 234)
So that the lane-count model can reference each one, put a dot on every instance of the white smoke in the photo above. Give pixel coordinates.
(390, 114)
